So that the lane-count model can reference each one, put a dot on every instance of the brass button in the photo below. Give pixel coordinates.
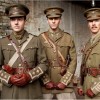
(90, 49)
(66, 77)
(19, 46)
(33, 73)
(37, 71)
(5, 76)
(54, 59)
(64, 80)
(19, 65)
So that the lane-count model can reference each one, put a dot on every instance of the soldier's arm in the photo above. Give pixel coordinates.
(4, 76)
(45, 78)
(41, 66)
(66, 79)
(95, 88)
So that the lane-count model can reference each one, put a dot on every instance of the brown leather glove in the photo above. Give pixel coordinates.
(20, 79)
(8, 69)
(60, 86)
(49, 85)
(89, 93)
(63, 71)
(80, 91)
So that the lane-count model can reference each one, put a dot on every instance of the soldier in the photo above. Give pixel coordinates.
(61, 54)
(22, 58)
(90, 69)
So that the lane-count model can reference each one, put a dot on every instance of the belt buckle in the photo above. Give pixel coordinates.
(21, 70)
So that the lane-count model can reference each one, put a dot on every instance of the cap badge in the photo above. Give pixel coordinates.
(53, 10)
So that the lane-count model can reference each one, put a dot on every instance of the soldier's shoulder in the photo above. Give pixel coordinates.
(67, 34)
(4, 37)
(34, 36)
(42, 33)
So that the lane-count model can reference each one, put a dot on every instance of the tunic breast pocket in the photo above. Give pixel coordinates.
(30, 54)
(95, 58)
(8, 52)
(64, 49)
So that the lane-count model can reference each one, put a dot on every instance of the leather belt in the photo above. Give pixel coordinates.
(54, 64)
(16, 70)
(21, 70)
(92, 71)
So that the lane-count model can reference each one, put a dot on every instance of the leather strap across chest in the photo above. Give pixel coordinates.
(18, 52)
(62, 61)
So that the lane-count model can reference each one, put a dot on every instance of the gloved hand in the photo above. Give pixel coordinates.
(49, 85)
(89, 93)
(8, 69)
(63, 71)
(80, 91)
(20, 79)
(60, 86)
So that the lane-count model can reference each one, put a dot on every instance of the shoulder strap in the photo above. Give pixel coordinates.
(16, 55)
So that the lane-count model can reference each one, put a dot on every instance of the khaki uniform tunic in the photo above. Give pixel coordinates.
(93, 61)
(35, 57)
(65, 45)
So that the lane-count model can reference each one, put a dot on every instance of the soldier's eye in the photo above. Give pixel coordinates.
(12, 19)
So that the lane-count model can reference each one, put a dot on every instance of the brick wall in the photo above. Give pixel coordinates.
(4, 25)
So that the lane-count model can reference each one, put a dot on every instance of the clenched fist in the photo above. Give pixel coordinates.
(90, 93)
(49, 85)
(20, 79)
(60, 86)
(8, 69)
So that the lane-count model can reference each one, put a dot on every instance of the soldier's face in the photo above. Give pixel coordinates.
(54, 22)
(94, 26)
(17, 23)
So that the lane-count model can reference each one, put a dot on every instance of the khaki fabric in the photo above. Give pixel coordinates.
(66, 46)
(35, 57)
(93, 61)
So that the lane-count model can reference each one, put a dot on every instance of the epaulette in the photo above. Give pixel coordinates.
(42, 33)
(33, 34)
(2, 37)
(67, 33)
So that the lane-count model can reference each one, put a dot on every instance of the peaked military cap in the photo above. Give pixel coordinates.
(92, 13)
(16, 10)
(53, 12)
